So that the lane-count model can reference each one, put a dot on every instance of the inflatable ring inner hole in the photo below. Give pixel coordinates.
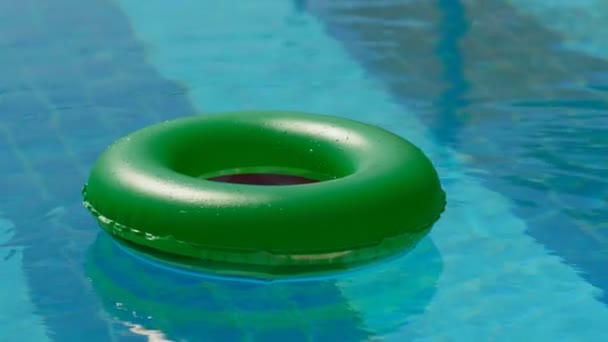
(263, 179)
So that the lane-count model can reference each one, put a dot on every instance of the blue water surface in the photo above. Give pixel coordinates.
(508, 98)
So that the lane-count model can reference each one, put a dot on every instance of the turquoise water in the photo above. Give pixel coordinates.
(508, 98)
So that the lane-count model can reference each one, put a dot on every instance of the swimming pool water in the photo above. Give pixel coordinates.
(509, 103)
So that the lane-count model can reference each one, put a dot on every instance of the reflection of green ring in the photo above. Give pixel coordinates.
(190, 308)
(377, 194)
(177, 302)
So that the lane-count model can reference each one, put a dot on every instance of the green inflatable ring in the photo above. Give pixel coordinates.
(376, 195)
